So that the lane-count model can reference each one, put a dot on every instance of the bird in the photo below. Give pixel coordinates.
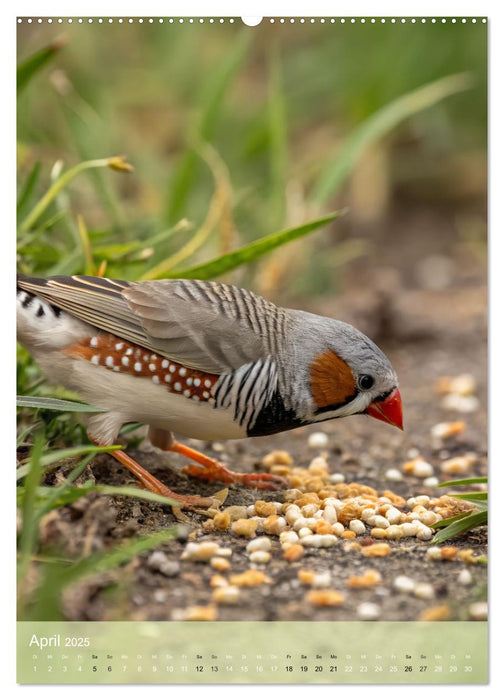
(201, 359)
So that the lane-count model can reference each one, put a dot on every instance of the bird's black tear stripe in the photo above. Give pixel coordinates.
(275, 418)
(335, 406)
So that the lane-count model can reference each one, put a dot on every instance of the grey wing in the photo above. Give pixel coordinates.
(205, 325)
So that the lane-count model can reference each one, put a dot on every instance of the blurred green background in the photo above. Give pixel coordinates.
(255, 120)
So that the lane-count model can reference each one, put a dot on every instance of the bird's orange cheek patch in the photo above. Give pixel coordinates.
(332, 381)
(118, 355)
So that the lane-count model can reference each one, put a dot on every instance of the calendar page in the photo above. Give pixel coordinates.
(251, 366)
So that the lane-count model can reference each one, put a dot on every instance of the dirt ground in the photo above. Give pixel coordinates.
(427, 334)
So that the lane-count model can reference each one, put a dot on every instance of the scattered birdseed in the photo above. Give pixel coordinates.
(249, 578)
(369, 579)
(435, 613)
(393, 475)
(418, 467)
(259, 544)
(465, 577)
(368, 611)
(277, 457)
(217, 581)
(244, 527)
(434, 554)
(337, 478)
(442, 431)
(380, 549)
(423, 590)
(467, 556)
(226, 595)
(260, 557)
(322, 580)
(404, 584)
(221, 521)
(264, 509)
(195, 613)
(318, 440)
(274, 525)
(306, 576)
(479, 610)
(200, 552)
(449, 552)
(328, 598)
(293, 552)
(236, 512)
(220, 563)
(357, 526)
(458, 465)
(431, 481)
(461, 404)
(224, 552)
(463, 385)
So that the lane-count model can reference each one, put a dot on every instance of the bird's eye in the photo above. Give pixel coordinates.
(366, 381)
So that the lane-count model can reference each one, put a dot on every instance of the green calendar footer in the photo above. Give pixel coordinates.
(252, 652)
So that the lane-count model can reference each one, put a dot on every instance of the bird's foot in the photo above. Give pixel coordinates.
(218, 472)
(155, 486)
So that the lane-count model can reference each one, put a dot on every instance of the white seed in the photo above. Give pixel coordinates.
(393, 475)
(434, 554)
(337, 478)
(404, 584)
(259, 544)
(422, 469)
(368, 611)
(422, 500)
(260, 557)
(357, 526)
(288, 537)
(305, 532)
(429, 517)
(338, 529)
(329, 514)
(424, 591)
(458, 465)
(200, 552)
(367, 514)
(393, 515)
(334, 502)
(227, 595)
(251, 511)
(413, 452)
(411, 503)
(431, 481)
(380, 521)
(409, 529)
(465, 577)
(322, 580)
(292, 514)
(309, 510)
(224, 552)
(424, 533)
(328, 540)
(312, 541)
(394, 532)
(479, 610)
(461, 404)
(318, 440)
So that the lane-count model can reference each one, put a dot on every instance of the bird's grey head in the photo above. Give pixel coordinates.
(346, 373)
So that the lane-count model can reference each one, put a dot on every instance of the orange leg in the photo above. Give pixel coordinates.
(152, 484)
(212, 470)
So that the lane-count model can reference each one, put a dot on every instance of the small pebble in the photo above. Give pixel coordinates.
(368, 611)
(424, 591)
(318, 440)
(404, 584)
(260, 557)
(259, 544)
(465, 577)
(226, 595)
(479, 610)
(393, 475)
(158, 561)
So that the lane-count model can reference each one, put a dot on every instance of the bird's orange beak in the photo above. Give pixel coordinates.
(389, 410)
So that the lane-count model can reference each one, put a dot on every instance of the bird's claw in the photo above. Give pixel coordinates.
(218, 472)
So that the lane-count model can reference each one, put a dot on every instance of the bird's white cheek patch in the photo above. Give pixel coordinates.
(332, 381)
(117, 355)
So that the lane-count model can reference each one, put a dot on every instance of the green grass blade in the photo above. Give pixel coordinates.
(463, 482)
(379, 124)
(52, 458)
(28, 189)
(471, 496)
(448, 521)
(30, 521)
(246, 254)
(211, 107)
(54, 495)
(29, 68)
(50, 404)
(460, 526)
